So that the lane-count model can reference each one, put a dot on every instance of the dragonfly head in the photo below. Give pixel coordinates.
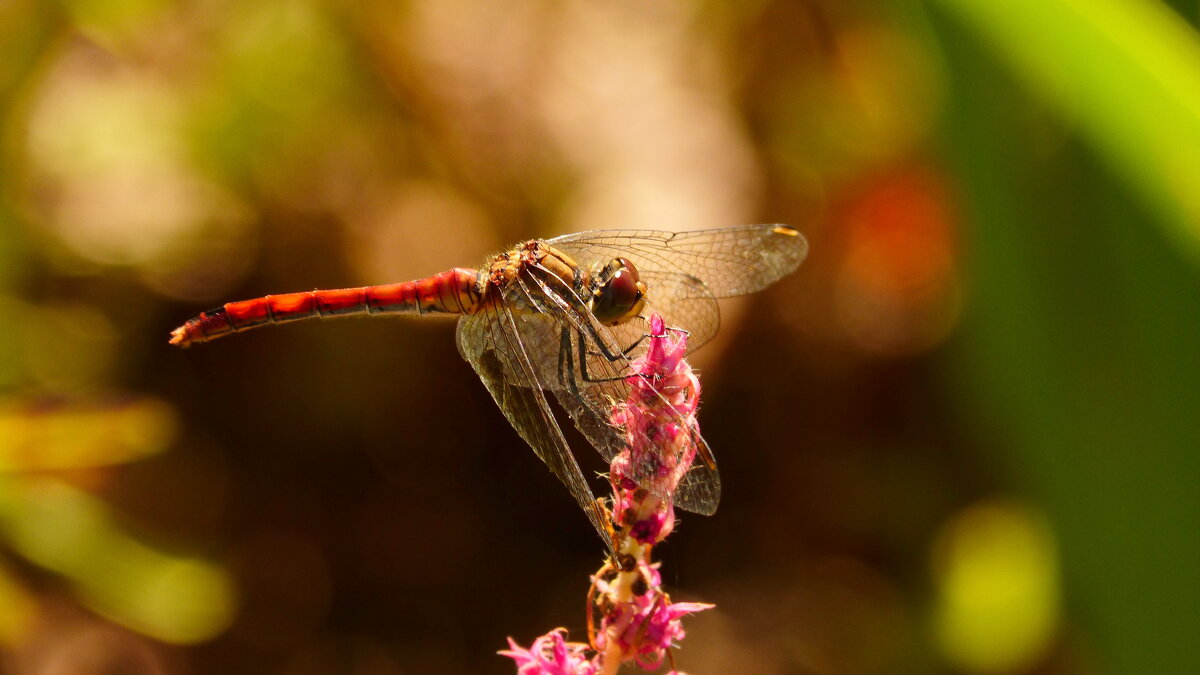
(618, 294)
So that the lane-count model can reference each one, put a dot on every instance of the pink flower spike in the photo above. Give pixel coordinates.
(550, 654)
(659, 417)
(630, 617)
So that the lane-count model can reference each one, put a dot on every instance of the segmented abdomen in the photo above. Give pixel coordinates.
(451, 292)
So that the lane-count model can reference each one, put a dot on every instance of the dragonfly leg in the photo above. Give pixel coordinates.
(566, 361)
(624, 352)
(579, 318)
(628, 350)
(667, 329)
(583, 369)
(566, 300)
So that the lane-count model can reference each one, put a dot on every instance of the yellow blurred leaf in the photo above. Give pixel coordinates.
(70, 436)
(996, 568)
(170, 597)
(1126, 72)
(17, 609)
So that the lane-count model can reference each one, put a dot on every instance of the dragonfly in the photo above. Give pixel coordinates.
(563, 319)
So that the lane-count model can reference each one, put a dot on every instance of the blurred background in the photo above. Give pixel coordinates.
(963, 438)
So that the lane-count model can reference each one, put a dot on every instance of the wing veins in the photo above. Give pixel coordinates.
(700, 488)
(525, 405)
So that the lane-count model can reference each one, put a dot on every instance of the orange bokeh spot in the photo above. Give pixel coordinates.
(898, 287)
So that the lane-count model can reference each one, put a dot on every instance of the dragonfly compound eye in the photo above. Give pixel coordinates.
(621, 295)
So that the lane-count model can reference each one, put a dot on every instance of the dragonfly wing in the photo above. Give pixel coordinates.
(685, 302)
(730, 261)
(586, 387)
(700, 489)
(590, 403)
(593, 374)
(489, 340)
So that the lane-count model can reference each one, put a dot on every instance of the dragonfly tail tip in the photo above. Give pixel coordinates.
(179, 337)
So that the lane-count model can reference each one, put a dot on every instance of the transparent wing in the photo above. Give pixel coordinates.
(684, 302)
(729, 261)
(490, 341)
(593, 364)
(583, 364)
(700, 489)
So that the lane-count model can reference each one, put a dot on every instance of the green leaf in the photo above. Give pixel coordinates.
(1126, 73)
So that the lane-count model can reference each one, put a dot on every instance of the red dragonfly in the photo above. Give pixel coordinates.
(563, 317)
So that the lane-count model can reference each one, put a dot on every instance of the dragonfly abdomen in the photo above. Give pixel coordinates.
(454, 291)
